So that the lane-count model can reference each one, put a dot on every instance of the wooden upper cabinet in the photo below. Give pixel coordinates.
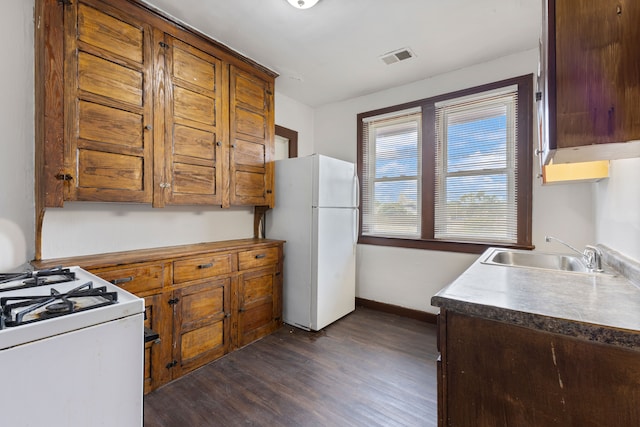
(108, 105)
(591, 54)
(251, 136)
(194, 144)
(152, 112)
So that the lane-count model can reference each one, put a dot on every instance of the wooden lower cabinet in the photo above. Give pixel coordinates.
(258, 314)
(498, 374)
(203, 300)
(201, 324)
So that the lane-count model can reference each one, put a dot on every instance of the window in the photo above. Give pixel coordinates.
(451, 172)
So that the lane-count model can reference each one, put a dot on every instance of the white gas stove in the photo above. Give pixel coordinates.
(71, 350)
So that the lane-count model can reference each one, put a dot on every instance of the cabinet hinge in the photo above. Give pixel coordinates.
(64, 177)
(538, 96)
(174, 301)
(172, 364)
(164, 45)
(64, 2)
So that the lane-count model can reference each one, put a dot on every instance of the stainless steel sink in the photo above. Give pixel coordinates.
(539, 260)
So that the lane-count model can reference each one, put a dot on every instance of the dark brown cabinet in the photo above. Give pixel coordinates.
(590, 80)
(153, 112)
(493, 373)
(202, 300)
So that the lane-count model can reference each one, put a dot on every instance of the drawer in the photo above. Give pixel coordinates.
(135, 279)
(257, 258)
(201, 267)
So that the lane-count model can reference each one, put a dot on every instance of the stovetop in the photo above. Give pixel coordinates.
(28, 279)
(40, 304)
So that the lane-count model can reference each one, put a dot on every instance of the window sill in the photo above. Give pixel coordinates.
(436, 245)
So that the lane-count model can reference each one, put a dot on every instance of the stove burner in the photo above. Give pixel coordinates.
(60, 307)
(19, 310)
(33, 279)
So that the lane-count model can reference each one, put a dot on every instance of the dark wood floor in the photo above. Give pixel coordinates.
(368, 369)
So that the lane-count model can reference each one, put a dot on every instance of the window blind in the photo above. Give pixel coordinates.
(391, 190)
(475, 179)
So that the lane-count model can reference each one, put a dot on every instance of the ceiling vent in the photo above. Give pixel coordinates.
(397, 56)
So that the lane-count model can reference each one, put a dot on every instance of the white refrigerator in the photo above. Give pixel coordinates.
(316, 213)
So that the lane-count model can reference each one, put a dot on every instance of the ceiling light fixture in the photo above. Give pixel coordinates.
(302, 4)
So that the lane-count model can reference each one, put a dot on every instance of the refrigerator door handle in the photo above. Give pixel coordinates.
(356, 182)
(356, 229)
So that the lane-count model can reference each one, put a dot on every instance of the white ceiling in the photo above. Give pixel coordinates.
(332, 52)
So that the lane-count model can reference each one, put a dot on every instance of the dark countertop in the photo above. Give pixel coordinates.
(596, 307)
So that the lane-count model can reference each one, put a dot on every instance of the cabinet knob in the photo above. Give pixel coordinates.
(148, 127)
(209, 265)
(219, 144)
(233, 145)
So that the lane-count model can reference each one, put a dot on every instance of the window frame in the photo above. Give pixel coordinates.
(524, 169)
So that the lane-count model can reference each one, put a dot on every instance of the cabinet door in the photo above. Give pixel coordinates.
(258, 311)
(201, 324)
(251, 136)
(597, 63)
(108, 105)
(194, 126)
(157, 353)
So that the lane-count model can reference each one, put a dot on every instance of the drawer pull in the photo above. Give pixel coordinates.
(209, 265)
(260, 256)
(122, 280)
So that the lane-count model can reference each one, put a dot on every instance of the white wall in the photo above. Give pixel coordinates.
(17, 127)
(296, 116)
(617, 208)
(409, 277)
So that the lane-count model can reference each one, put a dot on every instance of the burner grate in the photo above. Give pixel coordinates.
(31, 279)
(20, 310)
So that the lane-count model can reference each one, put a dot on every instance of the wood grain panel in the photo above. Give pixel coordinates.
(257, 258)
(597, 72)
(193, 179)
(110, 171)
(201, 305)
(252, 154)
(249, 184)
(201, 331)
(192, 69)
(110, 80)
(138, 279)
(111, 34)
(258, 288)
(249, 91)
(188, 141)
(251, 133)
(501, 374)
(249, 123)
(110, 125)
(201, 267)
(199, 341)
(255, 321)
(194, 106)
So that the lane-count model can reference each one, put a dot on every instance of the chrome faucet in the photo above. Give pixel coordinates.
(591, 256)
